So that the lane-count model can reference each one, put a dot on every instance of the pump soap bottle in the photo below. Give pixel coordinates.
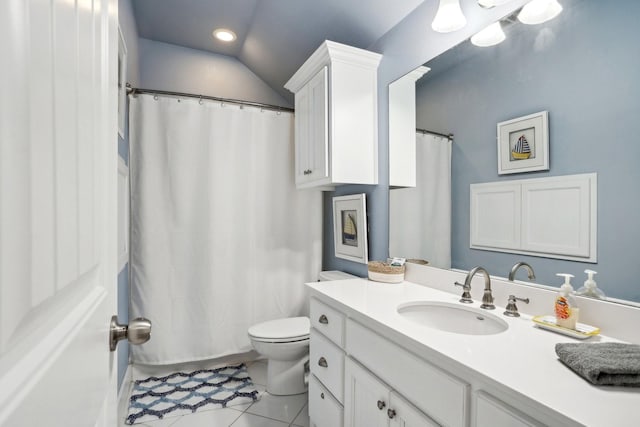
(566, 308)
(590, 289)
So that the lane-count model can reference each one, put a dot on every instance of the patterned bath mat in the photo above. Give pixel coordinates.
(187, 392)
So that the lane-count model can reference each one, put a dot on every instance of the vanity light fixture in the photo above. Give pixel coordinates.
(224, 35)
(490, 36)
(488, 4)
(449, 17)
(539, 11)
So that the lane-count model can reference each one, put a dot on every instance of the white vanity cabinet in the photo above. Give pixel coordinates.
(336, 137)
(326, 361)
(490, 411)
(370, 402)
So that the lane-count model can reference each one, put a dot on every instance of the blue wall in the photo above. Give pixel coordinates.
(405, 47)
(583, 68)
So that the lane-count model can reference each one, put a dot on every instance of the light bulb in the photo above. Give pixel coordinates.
(539, 11)
(487, 4)
(224, 35)
(449, 17)
(490, 36)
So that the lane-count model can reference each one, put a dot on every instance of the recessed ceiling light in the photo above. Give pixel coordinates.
(224, 35)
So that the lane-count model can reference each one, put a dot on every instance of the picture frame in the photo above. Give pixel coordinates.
(122, 83)
(523, 144)
(350, 228)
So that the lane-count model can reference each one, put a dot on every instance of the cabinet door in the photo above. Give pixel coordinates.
(302, 135)
(403, 414)
(319, 126)
(491, 412)
(366, 398)
(312, 130)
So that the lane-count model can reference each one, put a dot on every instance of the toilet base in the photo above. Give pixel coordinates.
(285, 378)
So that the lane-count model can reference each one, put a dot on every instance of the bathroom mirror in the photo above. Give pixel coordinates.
(582, 67)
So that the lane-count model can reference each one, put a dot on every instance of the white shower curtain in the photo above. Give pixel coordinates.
(220, 237)
(420, 217)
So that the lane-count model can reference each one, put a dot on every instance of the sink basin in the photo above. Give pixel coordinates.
(454, 318)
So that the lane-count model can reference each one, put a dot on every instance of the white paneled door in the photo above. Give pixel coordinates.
(58, 215)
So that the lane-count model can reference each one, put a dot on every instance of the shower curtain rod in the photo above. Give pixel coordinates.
(135, 90)
(449, 136)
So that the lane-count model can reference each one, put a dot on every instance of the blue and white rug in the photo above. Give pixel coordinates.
(187, 392)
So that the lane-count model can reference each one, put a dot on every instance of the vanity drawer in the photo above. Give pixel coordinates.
(327, 320)
(440, 395)
(324, 410)
(327, 363)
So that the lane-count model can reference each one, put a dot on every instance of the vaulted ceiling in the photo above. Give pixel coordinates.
(274, 36)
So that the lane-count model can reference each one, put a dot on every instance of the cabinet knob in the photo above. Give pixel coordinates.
(391, 413)
(323, 362)
(321, 395)
(381, 405)
(323, 319)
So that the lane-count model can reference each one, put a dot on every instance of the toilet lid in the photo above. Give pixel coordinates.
(290, 328)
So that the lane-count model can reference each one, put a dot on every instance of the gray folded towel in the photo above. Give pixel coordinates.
(603, 363)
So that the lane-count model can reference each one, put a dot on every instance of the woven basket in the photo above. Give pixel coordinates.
(383, 272)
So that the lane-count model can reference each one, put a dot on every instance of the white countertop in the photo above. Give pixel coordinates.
(522, 358)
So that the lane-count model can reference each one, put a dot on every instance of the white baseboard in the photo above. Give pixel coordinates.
(124, 392)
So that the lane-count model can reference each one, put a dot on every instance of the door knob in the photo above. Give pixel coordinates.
(138, 331)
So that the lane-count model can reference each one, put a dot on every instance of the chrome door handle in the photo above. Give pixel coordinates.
(323, 362)
(138, 331)
(323, 319)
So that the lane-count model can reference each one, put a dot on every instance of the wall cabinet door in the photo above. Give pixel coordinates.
(312, 130)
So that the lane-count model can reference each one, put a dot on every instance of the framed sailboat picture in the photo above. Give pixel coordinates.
(350, 227)
(523, 144)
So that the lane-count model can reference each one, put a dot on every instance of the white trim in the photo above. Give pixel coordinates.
(327, 53)
(122, 82)
(123, 214)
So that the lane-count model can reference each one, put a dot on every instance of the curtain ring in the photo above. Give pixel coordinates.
(200, 100)
(222, 104)
(155, 97)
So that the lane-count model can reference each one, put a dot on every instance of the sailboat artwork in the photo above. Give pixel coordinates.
(521, 151)
(349, 228)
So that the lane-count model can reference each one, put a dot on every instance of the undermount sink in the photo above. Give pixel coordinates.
(454, 318)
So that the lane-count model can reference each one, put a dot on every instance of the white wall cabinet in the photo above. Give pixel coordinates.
(554, 217)
(369, 402)
(336, 117)
(402, 129)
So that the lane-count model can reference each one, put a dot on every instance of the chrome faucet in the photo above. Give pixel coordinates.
(530, 274)
(487, 298)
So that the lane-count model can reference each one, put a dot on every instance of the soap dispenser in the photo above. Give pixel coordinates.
(566, 308)
(590, 289)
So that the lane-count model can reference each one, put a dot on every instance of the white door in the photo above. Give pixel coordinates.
(58, 175)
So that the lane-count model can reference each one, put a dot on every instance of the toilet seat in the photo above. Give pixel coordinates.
(281, 330)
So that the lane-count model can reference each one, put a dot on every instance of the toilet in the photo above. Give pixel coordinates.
(285, 344)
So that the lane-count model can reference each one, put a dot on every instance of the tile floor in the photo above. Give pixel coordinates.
(268, 411)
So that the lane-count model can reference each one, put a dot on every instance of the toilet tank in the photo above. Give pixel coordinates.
(326, 276)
